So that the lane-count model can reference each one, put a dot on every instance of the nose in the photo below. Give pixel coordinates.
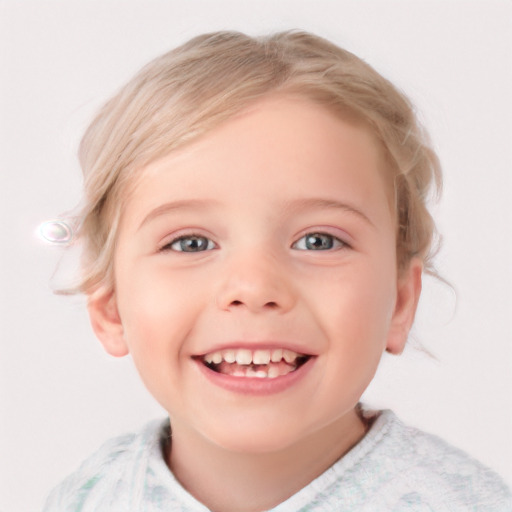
(256, 283)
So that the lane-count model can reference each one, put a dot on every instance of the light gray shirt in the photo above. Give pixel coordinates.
(393, 468)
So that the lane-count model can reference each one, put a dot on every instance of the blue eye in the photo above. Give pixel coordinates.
(318, 242)
(192, 243)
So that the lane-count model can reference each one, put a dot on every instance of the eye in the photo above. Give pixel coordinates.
(318, 242)
(190, 243)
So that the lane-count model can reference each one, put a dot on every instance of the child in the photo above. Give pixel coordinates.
(255, 233)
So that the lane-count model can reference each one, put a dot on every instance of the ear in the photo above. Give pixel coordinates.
(408, 295)
(106, 322)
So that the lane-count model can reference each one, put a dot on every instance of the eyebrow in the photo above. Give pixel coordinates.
(185, 204)
(293, 206)
(314, 203)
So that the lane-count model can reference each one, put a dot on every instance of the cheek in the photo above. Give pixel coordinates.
(158, 314)
(158, 308)
(368, 291)
(357, 306)
(357, 324)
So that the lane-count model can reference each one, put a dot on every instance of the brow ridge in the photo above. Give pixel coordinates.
(314, 203)
(183, 204)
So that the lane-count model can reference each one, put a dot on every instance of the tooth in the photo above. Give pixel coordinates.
(243, 356)
(261, 357)
(229, 356)
(259, 374)
(216, 357)
(289, 356)
(208, 358)
(273, 372)
(277, 355)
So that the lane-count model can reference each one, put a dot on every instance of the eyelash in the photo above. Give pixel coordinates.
(169, 246)
(330, 242)
(335, 242)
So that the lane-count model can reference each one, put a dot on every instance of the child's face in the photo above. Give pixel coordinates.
(274, 231)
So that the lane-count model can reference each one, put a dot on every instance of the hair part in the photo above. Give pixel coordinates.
(188, 91)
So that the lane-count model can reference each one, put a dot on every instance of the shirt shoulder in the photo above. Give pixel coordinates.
(111, 473)
(403, 469)
(445, 475)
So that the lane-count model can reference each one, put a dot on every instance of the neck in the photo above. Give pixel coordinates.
(229, 481)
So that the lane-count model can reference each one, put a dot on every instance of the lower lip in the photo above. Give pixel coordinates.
(255, 385)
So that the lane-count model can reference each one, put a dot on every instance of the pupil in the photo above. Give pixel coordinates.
(319, 242)
(194, 243)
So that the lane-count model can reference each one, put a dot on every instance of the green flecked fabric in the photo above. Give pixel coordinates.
(393, 468)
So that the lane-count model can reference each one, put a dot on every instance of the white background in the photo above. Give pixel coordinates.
(61, 396)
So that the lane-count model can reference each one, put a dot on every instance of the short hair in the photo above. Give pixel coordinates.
(190, 90)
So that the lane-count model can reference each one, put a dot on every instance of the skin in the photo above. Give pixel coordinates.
(252, 189)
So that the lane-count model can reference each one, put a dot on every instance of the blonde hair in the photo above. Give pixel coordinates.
(191, 89)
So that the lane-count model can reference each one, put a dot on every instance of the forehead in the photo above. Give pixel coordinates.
(279, 146)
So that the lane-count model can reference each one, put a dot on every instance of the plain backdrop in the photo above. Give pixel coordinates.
(61, 396)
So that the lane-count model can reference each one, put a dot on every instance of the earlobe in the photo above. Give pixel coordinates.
(408, 295)
(106, 322)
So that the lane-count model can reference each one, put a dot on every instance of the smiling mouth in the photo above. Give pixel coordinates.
(261, 363)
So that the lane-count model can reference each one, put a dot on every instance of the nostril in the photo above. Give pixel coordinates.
(269, 305)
